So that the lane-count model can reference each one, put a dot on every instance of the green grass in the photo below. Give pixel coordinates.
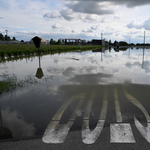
(9, 50)
(9, 84)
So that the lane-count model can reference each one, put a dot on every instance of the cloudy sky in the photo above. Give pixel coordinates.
(85, 19)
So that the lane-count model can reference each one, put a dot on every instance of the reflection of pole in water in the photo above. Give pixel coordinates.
(129, 53)
(1, 123)
(144, 38)
(39, 72)
(101, 56)
(39, 62)
(143, 58)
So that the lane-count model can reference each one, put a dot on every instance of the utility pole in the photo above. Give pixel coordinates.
(6, 35)
(101, 38)
(144, 38)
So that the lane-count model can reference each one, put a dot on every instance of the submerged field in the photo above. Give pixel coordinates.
(11, 52)
(18, 50)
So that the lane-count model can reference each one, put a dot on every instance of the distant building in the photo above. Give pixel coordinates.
(43, 41)
(72, 41)
(98, 42)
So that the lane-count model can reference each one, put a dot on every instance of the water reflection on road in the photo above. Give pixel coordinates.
(80, 91)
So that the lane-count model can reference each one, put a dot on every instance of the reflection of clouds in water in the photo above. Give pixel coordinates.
(92, 79)
(55, 71)
(134, 65)
(116, 71)
(52, 90)
(93, 60)
(15, 123)
(71, 71)
(146, 65)
(3, 68)
(58, 61)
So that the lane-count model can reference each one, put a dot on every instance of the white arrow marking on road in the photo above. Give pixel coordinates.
(120, 132)
(145, 131)
(56, 132)
(88, 136)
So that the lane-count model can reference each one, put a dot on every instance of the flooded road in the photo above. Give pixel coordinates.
(82, 92)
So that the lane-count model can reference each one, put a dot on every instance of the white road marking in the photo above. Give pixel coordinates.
(145, 131)
(117, 105)
(121, 133)
(88, 136)
(56, 132)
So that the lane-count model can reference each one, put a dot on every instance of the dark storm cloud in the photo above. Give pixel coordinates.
(89, 7)
(128, 3)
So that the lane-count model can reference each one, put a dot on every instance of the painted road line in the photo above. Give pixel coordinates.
(56, 132)
(134, 101)
(117, 106)
(60, 112)
(120, 132)
(88, 136)
(145, 131)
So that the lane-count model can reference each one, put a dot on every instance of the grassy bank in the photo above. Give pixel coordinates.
(9, 50)
(10, 83)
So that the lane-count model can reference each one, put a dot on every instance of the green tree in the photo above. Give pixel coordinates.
(109, 42)
(51, 41)
(123, 43)
(65, 42)
(115, 42)
(58, 42)
(7, 38)
(22, 40)
(1, 37)
(14, 39)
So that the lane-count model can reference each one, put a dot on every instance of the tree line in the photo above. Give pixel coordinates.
(6, 38)
(123, 43)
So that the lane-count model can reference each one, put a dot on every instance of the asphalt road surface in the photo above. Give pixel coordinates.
(101, 118)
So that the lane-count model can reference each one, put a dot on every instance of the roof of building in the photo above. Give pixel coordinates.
(42, 40)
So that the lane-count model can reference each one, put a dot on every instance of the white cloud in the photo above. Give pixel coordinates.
(89, 17)
(137, 25)
(91, 29)
(68, 14)
(56, 26)
(54, 15)
(116, 17)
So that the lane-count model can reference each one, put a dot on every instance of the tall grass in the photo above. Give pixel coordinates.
(10, 83)
(9, 50)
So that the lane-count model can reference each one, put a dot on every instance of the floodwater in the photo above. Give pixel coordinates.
(77, 91)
